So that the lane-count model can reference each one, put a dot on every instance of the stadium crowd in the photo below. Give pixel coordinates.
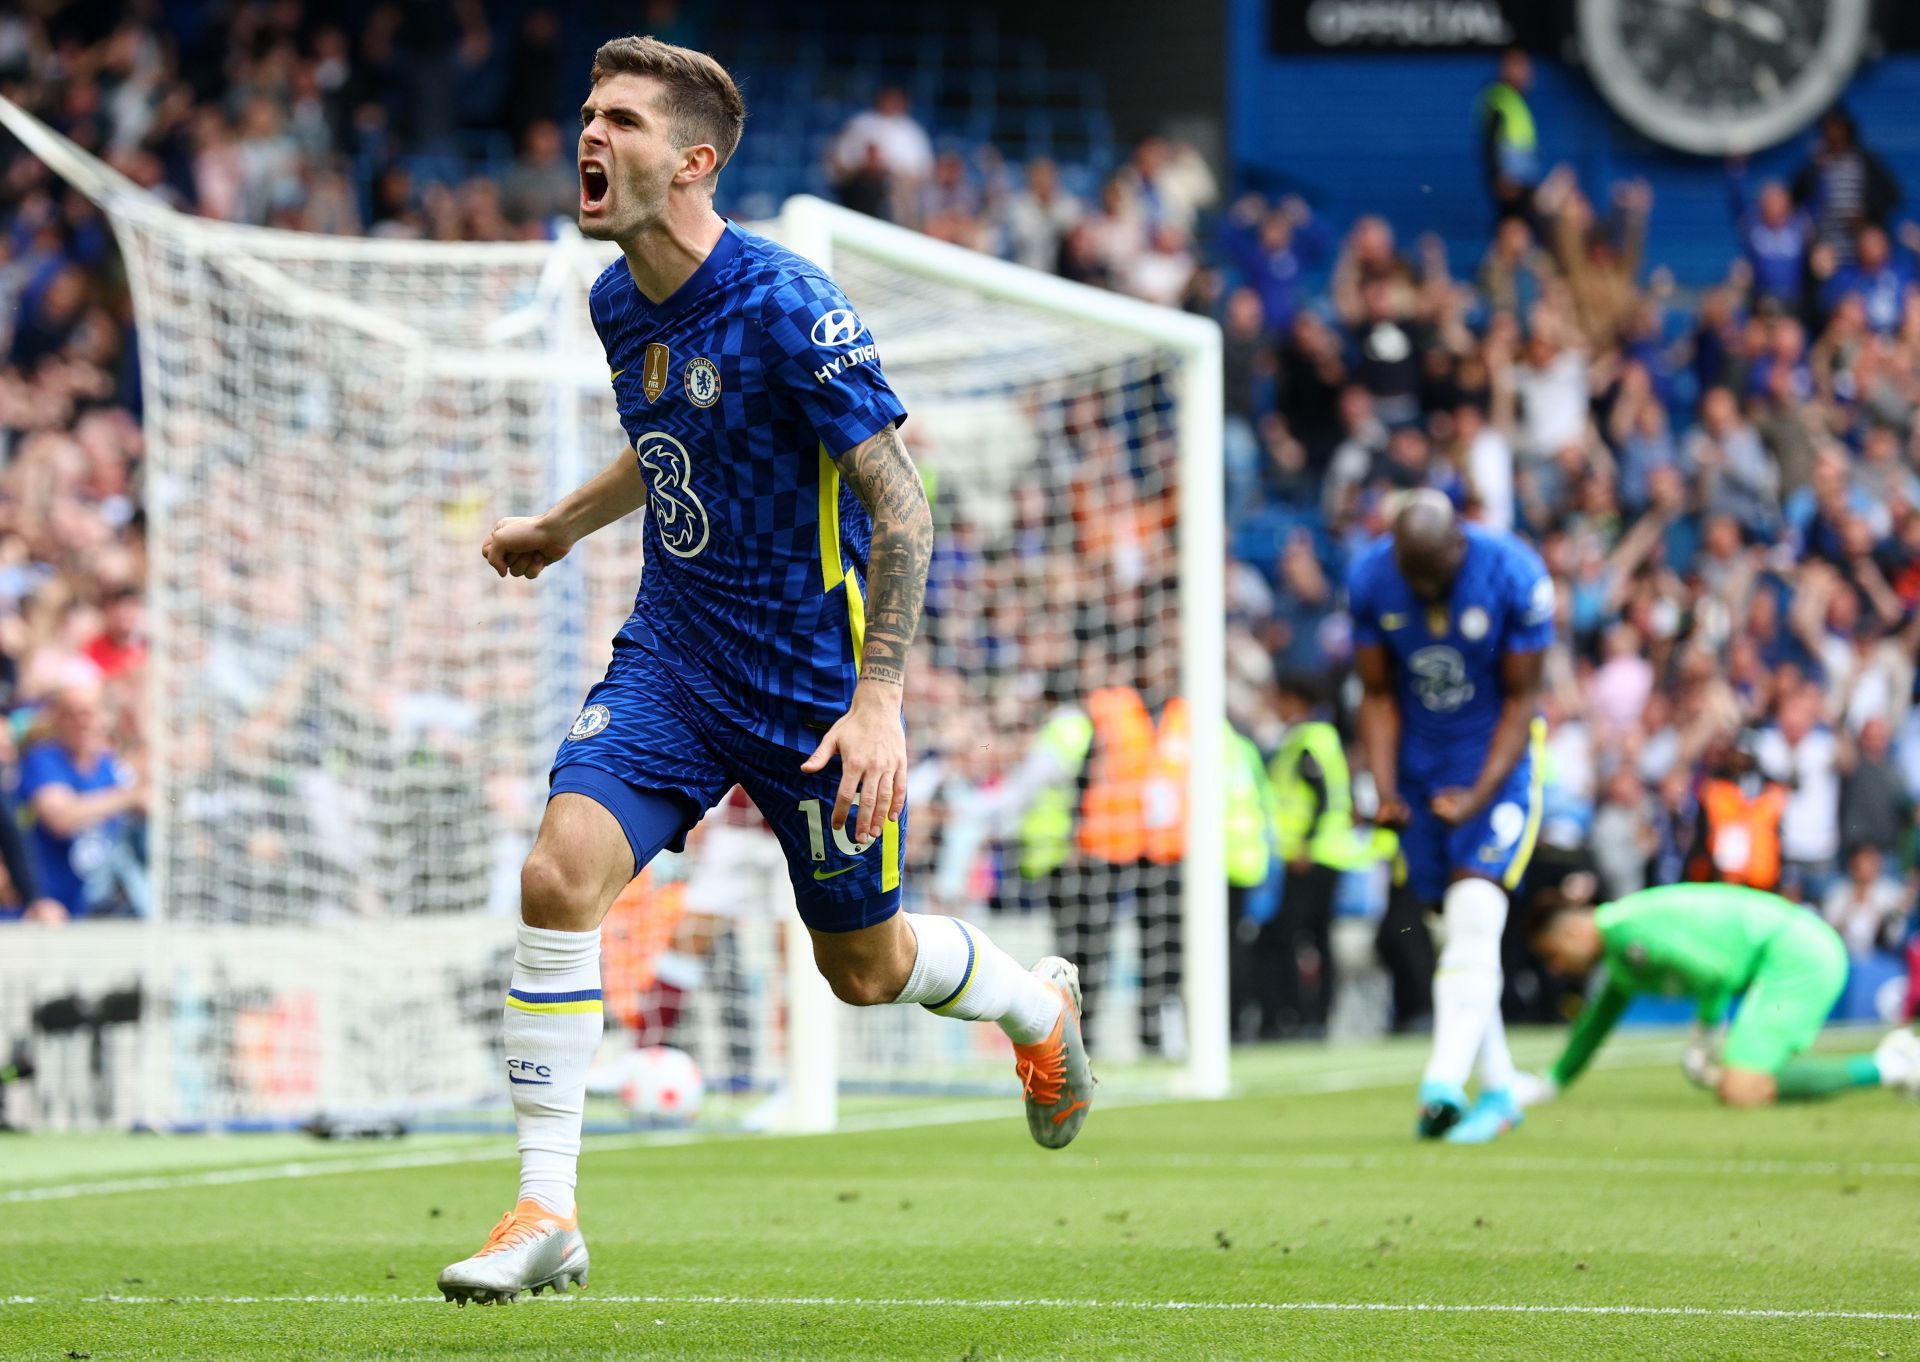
(1725, 483)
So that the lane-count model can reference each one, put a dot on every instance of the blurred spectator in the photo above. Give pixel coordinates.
(1039, 216)
(1486, 458)
(1386, 343)
(1775, 237)
(1844, 185)
(1801, 752)
(1599, 259)
(1639, 431)
(1248, 369)
(1882, 282)
(1515, 273)
(1874, 802)
(1312, 374)
(1732, 472)
(1550, 384)
(82, 799)
(1866, 908)
(1369, 256)
(268, 160)
(1741, 812)
(950, 203)
(544, 181)
(881, 157)
(1160, 273)
(1112, 237)
(1274, 249)
(1169, 183)
(1509, 141)
(1313, 825)
(121, 645)
(1625, 837)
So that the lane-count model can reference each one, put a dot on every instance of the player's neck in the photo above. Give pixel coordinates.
(665, 255)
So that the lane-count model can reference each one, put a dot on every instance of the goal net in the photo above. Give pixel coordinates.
(352, 718)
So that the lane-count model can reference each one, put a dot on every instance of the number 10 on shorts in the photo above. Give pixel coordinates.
(842, 838)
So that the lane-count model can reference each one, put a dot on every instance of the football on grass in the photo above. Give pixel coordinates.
(662, 1086)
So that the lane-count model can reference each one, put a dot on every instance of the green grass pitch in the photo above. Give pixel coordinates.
(1633, 1219)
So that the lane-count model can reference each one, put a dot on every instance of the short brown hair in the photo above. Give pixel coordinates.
(700, 98)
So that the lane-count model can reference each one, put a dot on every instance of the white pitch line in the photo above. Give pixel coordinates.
(962, 1303)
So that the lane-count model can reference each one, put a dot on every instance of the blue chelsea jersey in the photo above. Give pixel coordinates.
(1446, 657)
(735, 393)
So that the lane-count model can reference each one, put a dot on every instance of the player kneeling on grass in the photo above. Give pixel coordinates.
(1710, 942)
(787, 545)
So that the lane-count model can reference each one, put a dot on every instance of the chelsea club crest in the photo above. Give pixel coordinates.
(592, 719)
(702, 382)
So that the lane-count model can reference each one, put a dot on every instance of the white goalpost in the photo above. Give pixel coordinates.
(351, 719)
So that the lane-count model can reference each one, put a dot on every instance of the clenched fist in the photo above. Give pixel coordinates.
(521, 546)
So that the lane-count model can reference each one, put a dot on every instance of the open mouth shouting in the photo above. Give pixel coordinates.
(593, 186)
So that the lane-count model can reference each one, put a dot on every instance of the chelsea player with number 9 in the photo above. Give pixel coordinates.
(1450, 627)
(787, 544)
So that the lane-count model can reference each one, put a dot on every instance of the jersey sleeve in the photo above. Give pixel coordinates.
(820, 355)
(1596, 1021)
(1363, 603)
(1529, 605)
(40, 769)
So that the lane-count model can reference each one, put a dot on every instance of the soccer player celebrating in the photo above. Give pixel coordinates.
(1450, 628)
(1710, 942)
(788, 538)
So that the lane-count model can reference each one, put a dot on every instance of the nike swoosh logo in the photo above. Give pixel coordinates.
(531, 1082)
(1393, 621)
(829, 874)
(617, 373)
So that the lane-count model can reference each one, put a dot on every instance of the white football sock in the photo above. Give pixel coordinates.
(1466, 986)
(958, 972)
(1496, 1060)
(552, 1030)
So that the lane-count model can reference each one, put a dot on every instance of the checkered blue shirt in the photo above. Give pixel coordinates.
(735, 393)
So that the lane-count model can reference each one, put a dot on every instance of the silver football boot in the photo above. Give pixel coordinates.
(1055, 1078)
(531, 1249)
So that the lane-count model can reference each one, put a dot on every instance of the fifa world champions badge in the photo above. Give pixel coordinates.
(653, 371)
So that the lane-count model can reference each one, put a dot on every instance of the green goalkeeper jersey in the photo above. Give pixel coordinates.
(1703, 941)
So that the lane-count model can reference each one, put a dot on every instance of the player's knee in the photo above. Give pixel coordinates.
(555, 895)
(1747, 1088)
(859, 984)
(1475, 912)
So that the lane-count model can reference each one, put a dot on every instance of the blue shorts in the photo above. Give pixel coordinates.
(1495, 844)
(642, 735)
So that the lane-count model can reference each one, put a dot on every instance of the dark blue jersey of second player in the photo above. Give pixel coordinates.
(735, 393)
(1446, 656)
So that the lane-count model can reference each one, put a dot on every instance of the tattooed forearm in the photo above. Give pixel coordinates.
(882, 475)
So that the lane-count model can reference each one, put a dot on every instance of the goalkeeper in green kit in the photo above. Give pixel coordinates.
(1712, 942)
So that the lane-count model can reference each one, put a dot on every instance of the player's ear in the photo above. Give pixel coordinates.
(696, 163)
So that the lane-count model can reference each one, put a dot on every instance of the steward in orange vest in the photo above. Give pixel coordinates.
(1135, 805)
(1740, 813)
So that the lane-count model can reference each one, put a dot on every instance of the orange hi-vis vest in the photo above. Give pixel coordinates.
(1743, 833)
(1165, 803)
(1135, 804)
